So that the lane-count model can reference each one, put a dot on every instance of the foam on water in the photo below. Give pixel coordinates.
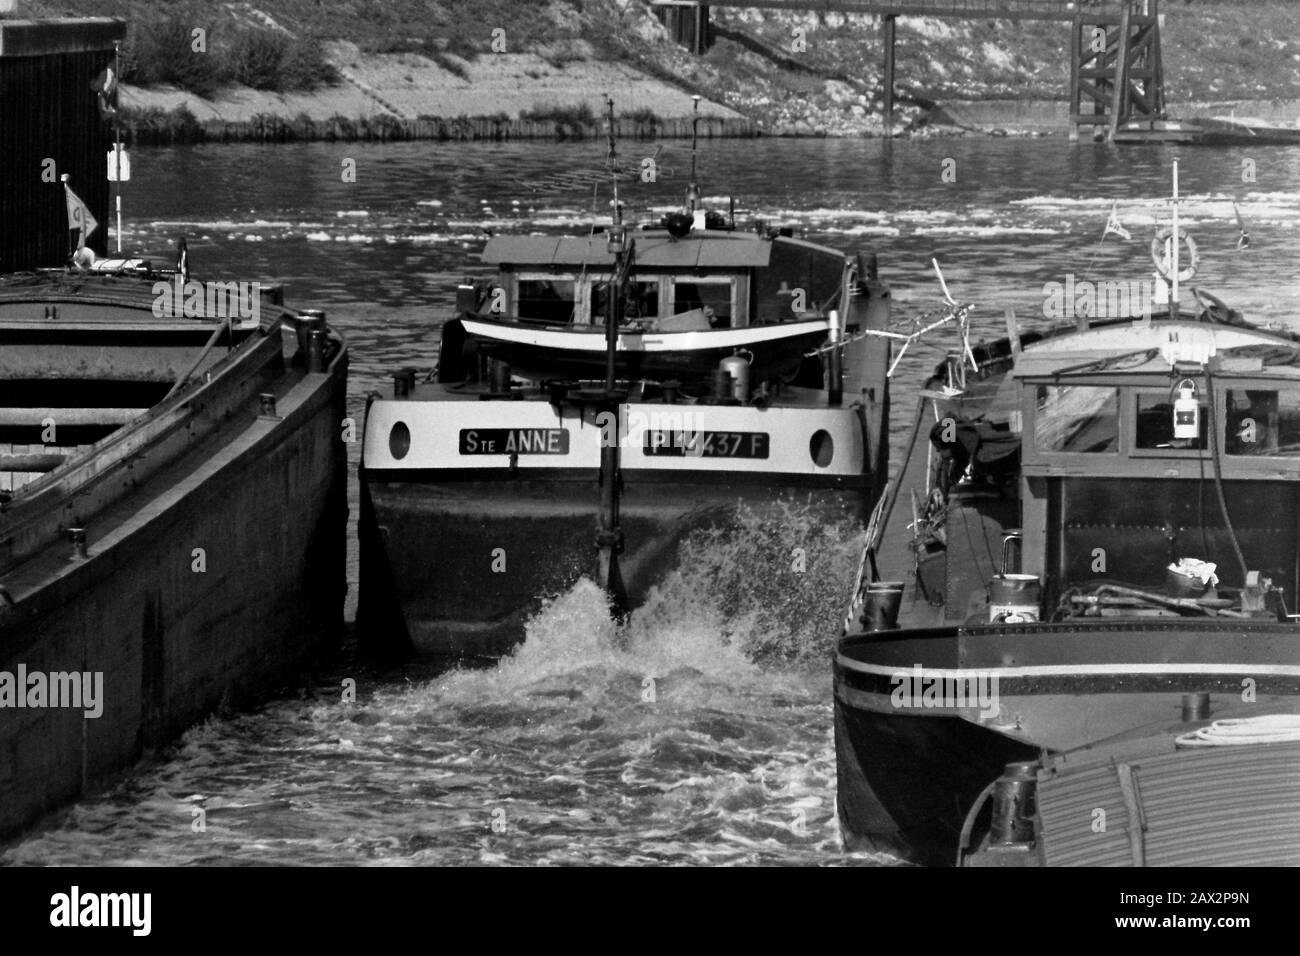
(655, 740)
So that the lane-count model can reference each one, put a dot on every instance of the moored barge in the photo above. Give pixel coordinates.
(1042, 607)
(1093, 539)
(172, 513)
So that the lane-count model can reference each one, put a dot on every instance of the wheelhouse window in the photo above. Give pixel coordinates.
(715, 296)
(1264, 422)
(1077, 418)
(1155, 424)
(640, 300)
(546, 299)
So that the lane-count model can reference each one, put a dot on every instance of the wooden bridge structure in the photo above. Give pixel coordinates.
(1114, 62)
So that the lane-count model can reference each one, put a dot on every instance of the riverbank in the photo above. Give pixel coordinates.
(156, 117)
(410, 96)
(524, 69)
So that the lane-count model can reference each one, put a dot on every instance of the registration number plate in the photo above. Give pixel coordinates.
(699, 444)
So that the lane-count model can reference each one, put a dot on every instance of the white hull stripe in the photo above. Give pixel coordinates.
(594, 342)
(1073, 670)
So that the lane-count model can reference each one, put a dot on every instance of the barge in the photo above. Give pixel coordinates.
(603, 397)
(1093, 540)
(485, 486)
(172, 513)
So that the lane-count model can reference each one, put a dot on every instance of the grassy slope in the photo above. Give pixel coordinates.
(1212, 51)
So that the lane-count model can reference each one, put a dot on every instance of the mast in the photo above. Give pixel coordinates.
(1173, 262)
(117, 142)
(693, 190)
(609, 534)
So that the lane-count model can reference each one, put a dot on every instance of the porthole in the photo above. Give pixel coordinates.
(822, 448)
(399, 440)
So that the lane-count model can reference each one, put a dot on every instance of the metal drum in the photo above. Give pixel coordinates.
(1014, 595)
(880, 605)
(738, 368)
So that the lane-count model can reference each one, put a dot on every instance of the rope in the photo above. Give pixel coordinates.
(922, 323)
(1239, 731)
(212, 341)
(1218, 477)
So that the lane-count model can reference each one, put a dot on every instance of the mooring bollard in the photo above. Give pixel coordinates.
(316, 351)
(309, 321)
(1014, 804)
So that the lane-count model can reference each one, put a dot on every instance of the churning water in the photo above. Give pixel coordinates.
(700, 731)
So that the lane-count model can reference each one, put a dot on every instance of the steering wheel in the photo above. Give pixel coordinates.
(1212, 307)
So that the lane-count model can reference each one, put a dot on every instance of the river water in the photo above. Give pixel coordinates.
(701, 733)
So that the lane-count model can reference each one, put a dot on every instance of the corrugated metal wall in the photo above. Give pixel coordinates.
(1216, 806)
(48, 110)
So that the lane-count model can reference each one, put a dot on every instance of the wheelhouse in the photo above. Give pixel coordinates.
(713, 279)
(1110, 491)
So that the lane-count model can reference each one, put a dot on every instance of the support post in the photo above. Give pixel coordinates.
(1157, 64)
(889, 21)
(1120, 95)
(1076, 51)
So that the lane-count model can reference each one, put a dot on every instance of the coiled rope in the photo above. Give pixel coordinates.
(1266, 729)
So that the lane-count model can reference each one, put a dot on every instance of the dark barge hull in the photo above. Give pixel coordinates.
(904, 784)
(1204, 132)
(907, 776)
(175, 632)
(455, 568)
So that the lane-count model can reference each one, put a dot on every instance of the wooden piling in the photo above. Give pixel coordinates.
(1120, 93)
(1076, 52)
(889, 23)
(1124, 81)
(687, 22)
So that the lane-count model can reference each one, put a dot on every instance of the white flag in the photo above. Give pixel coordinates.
(79, 216)
(1113, 224)
(1243, 240)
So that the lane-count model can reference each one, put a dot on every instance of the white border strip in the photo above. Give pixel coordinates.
(1072, 670)
(594, 341)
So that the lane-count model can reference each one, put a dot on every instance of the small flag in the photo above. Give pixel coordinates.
(1243, 240)
(79, 216)
(1113, 224)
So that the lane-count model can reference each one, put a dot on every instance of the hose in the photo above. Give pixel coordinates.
(1218, 476)
(1238, 731)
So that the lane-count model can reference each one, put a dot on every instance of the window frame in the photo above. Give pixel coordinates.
(1033, 434)
(731, 281)
(1166, 462)
(536, 276)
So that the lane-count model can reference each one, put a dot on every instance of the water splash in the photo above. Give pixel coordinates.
(776, 580)
(690, 734)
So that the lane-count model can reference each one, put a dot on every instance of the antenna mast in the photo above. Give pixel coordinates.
(609, 533)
